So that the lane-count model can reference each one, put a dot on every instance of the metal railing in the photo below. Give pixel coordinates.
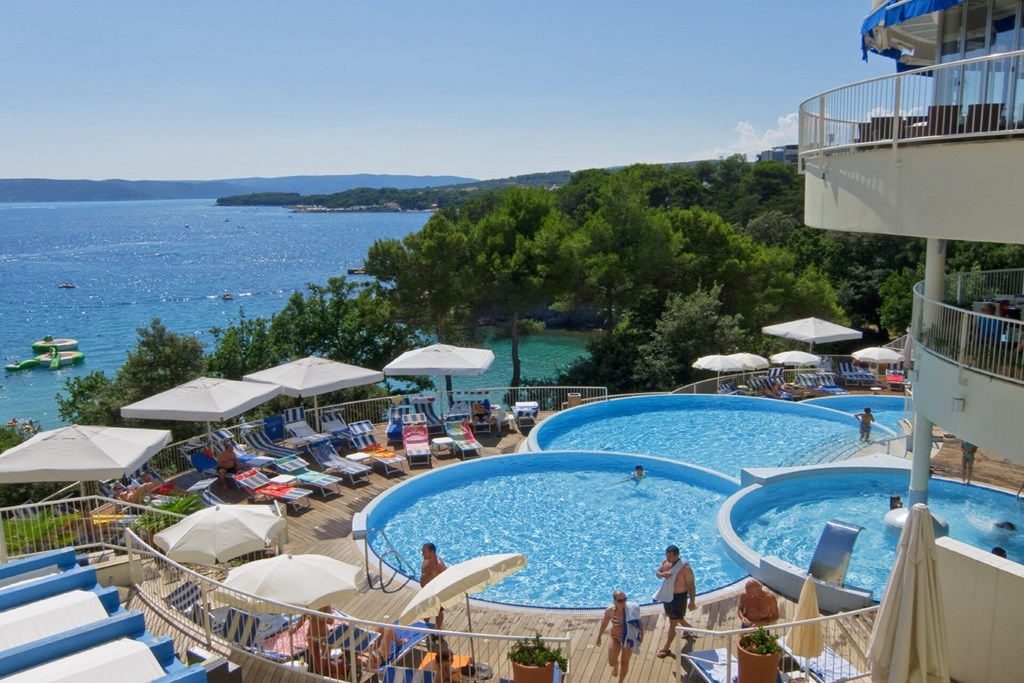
(843, 656)
(195, 605)
(983, 343)
(964, 99)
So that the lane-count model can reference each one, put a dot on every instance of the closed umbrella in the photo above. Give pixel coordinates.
(750, 361)
(457, 582)
(813, 331)
(796, 358)
(302, 580)
(877, 354)
(806, 640)
(81, 452)
(312, 376)
(908, 642)
(220, 533)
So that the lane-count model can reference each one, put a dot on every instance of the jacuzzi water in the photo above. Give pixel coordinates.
(722, 433)
(786, 519)
(585, 529)
(888, 410)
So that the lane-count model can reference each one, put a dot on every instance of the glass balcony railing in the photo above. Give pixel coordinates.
(973, 98)
(992, 342)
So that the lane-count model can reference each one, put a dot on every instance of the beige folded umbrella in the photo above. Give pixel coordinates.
(806, 640)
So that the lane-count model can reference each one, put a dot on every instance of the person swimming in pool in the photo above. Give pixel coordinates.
(635, 476)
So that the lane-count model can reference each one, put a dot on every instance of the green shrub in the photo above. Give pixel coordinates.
(535, 652)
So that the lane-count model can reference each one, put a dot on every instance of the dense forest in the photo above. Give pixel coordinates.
(666, 263)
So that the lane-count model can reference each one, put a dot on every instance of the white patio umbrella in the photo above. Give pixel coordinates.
(221, 533)
(441, 359)
(878, 354)
(302, 580)
(312, 376)
(204, 399)
(806, 640)
(719, 363)
(795, 358)
(457, 582)
(81, 452)
(813, 331)
(750, 361)
(909, 642)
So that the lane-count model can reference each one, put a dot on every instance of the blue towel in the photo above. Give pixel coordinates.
(632, 634)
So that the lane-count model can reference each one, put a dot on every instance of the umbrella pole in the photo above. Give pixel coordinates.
(469, 629)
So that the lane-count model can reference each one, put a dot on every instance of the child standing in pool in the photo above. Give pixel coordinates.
(866, 418)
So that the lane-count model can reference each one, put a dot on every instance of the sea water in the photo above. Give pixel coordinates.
(135, 261)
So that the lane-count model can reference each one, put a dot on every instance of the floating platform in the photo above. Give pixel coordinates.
(22, 365)
(46, 343)
(63, 358)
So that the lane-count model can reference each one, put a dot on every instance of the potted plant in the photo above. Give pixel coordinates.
(759, 655)
(533, 661)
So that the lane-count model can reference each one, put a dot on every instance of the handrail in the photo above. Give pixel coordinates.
(914, 106)
(391, 551)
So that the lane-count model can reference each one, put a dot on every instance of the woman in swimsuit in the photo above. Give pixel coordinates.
(618, 656)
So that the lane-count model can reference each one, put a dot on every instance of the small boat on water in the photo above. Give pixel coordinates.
(22, 365)
(226, 296)
(58, 359)
(357, 271)
(67, 285)
(48, 342)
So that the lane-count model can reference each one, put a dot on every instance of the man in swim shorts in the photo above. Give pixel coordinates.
(866, 418)
(677, 589)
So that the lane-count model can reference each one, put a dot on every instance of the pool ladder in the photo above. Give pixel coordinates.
(401, 569)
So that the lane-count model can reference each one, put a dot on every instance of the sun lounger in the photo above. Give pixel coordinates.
(416, 442)
(389, 461)
(242, 629)
(728, 389)
(261, 442)
(395, 415)
(301, 430)
(363, 435)
(827, 667)
(257, 486)
(333, 424)
(328, 460)
(711, 666)
(222, 437)
(852, 375)
(526, 413)
(299, 468)
(821, 384)
(401, 674)
(462, 437)
(425, 405)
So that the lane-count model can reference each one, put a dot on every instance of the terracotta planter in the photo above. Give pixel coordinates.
(533, 674)
(755, 668)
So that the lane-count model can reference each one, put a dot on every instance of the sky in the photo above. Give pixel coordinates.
(224, 89)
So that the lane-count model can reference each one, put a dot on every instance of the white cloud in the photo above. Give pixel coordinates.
(750, 141)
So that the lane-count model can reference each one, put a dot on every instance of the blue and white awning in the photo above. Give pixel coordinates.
(896, 12)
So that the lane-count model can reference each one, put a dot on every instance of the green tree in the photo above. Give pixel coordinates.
(244, 348)
(897, 296)
(691, 326)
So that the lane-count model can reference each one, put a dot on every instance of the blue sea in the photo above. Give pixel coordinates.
(133, 261)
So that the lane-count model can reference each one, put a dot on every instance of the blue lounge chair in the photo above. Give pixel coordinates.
(363, 435)
(257, 486)
(242, 629)
(852, 375)
(821, 384)
(425, 405)
(222, 437)
(273, 426)
(261, 442)
(296, 414)
(401, 674)
(728, 389)
(329, 461)
(526, 413)
(395, 417)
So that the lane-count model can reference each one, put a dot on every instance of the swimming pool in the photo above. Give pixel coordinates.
(785, 519)
(888, 410)
(584, 528)
(723, 433)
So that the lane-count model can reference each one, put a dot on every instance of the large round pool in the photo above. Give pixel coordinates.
(585, 527)
(785, 519)
(723, 433)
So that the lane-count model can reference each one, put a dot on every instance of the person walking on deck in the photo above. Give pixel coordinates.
(677, 589)
(626, 635)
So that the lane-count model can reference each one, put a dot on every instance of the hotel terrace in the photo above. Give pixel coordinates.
(931, 152)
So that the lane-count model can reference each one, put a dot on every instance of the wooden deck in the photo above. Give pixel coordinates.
(326, 528)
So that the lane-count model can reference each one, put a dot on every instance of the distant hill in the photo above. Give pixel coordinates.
(394, 198)
(49, 190)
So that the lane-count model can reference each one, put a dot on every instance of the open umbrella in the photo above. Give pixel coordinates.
(302, 580)
(312, 376)
(719, 363)
(204, 399)
(220, 533)
(878, 354)
(441, 359)
(908, 642)
(457, 582)
(750, 361)
(813, 331)
(795, 358)
(81, 452)
(806, 640)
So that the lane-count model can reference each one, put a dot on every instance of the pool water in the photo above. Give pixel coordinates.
(584, 527)
(786, 519)
(723, 433)
(888, 410)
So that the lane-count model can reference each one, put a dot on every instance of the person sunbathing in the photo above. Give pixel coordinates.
(382, 649)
